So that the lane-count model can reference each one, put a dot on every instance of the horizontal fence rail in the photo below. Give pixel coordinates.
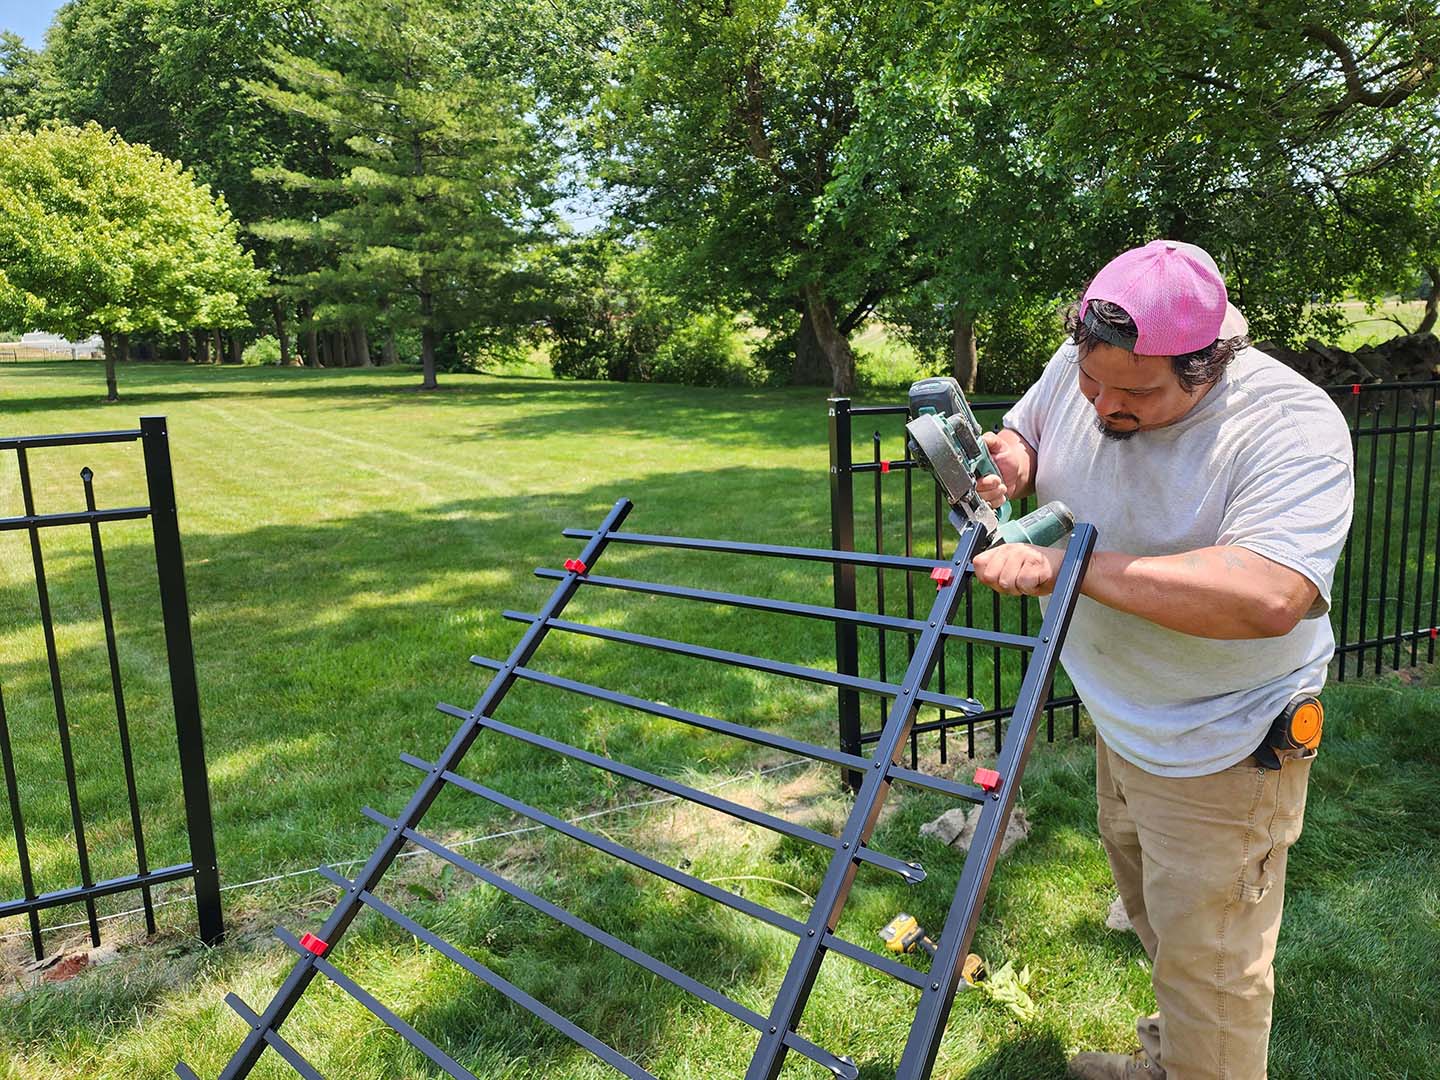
(776, 1030)
(1385, 605)
(202, 869)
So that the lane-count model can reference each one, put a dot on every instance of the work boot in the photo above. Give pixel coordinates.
(1147, 1030)
(1136, 1066)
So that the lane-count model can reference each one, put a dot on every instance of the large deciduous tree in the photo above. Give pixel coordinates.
(1292, 137)
(721, 126)
(99, 236)
(441, 179)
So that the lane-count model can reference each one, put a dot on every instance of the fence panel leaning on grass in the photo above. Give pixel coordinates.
(1386, 611)
(815, 933)
(84, 771)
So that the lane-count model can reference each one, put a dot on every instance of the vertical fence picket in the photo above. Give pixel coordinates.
(1434, 417)
(57, 691)
(1387, 530)
(122, 722)
(17, 821)
(879, 572)
(1400, 595)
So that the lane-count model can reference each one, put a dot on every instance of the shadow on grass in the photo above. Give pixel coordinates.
(713, 415)
(323, 648)
(1031, 1055)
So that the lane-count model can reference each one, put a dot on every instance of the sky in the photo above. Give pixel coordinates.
(28, 18)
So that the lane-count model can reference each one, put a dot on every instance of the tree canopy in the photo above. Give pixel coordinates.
(98, 236)
(438, 177)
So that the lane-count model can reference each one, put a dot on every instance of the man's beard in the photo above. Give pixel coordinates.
(1117, 434)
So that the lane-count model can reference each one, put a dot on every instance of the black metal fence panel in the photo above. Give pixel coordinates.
(815, 935)
(1386, 598)
(201, 869)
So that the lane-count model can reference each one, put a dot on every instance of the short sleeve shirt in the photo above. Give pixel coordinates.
(1263, 462)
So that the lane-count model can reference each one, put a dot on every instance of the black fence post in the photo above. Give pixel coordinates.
(842, 538)
(175, 608)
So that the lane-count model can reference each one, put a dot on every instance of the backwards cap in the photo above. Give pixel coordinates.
(1172, 291)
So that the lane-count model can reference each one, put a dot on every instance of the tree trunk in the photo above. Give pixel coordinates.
(835, 345)
(427, 343)
(219, 349)
(184, 347)
(109, 344)
(237, 352)
(1432, 302)
(278, 313)
(312, 339)
(963, 359)
(202, 347)
(360, 345)
(811, 367)
(339, 349)
(388, 353)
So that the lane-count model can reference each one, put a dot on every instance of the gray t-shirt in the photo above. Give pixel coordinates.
(1262, 462)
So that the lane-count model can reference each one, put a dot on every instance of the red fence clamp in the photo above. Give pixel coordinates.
(941, 575)
(884, 466)
(988, 779)
(1355, 388)
(311, 943)
(576, 565)
(1434, 632)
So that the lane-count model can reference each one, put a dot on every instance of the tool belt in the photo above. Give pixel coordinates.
(1295, 734)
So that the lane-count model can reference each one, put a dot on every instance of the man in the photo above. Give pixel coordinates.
(1221, 484)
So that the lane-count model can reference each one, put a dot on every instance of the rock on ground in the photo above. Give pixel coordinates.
(956, 828)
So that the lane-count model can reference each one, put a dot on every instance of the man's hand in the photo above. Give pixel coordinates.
(1019, 569)
(1008, 451)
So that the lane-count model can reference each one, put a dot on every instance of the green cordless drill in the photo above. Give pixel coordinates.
(945, 439)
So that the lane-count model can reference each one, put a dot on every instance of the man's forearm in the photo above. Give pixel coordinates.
(1218, 592)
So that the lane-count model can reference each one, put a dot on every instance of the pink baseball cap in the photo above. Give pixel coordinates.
(1172, 291)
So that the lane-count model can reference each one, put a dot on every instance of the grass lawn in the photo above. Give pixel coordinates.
(1367, 327)
(350, 542)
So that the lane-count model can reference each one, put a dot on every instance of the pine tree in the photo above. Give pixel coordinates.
(442, 178)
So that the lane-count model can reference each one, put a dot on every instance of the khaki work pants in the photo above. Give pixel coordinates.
(1200, 863)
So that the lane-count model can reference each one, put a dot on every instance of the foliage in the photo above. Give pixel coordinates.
(1287, 138)
(99, 236)
(705, 349)
(169, 73)
(263, 350)
(440, 176)
(720, 127)
(610, 318)
(19, 76)
(1017, 339)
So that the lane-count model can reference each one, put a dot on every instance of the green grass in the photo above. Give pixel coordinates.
(349, 542)
(1366, 326)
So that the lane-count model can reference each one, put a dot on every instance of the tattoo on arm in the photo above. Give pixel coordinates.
(1234, 560)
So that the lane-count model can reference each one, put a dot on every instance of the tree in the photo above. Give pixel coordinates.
(99, 236)
(168, 73)
(958, 202)
(720, 128)
(1266, 132)
(19, 77)
(441, 180)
